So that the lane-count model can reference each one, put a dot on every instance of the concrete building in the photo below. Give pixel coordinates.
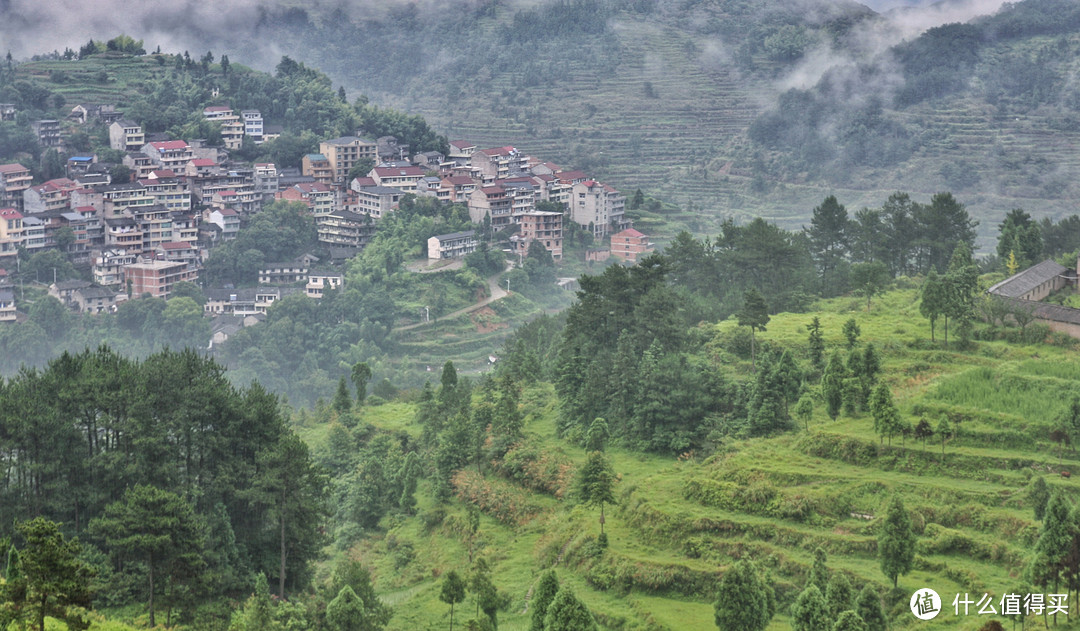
(125, 135)
(538, 225)
(108, 266)
(317, 166)
(7, 305)
(169, 154)
(344, 152)
(157, 277)
(630, 245)
(11, 233)
(253, 125)
(452, 246)
(319, 282)
(346, 229)
(14, 180)
(377, 201)
(598, 207)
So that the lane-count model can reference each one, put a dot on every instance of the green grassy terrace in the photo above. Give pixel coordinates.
(681, 521)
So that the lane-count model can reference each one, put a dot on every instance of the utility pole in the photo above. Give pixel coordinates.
(507, 285)
(427, 314)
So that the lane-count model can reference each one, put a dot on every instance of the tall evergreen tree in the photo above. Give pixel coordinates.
(54, 578)
(816, 344)
(346, 612)
(1039, 495)
(754, 314)
(452, 592)
(288, 485)
(567, 613)
(809, 612)
(743, 601)
(596, 483)
(541, 599)
(819, 571)
(962, 290)
(887, 420)
(829, 243)
(1020, 237)
(342, 399)
(849, 621)
(832, 385)
(361, 375)
(839, 596)
(158, 528)
(896, 541)
(868, 606)
(934, 298)
(1055, 540)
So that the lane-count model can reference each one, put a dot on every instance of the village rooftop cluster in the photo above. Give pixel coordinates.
(145, 235)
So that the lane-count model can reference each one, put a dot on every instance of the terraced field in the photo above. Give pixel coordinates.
(681, 522)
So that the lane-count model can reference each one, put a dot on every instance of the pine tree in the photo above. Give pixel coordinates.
(809, 612)
(342, 400)
(743, 601)
(849, 621)
(804, 410)
(944, 432)
(832, 385)
(346, 612)
(596, 483)
(361, 375)
(52, 574)
(839, 596)
(868, 606)
(567, 613)
(1039, 494)
(887, 420)
(896, 541)
(452, 592)
(542, 597)
(851, 332)
(933, 299)
(1055, 540)
(819, 571)
(816, 344)
(754, 314)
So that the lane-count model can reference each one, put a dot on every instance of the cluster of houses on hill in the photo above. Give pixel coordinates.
(143, 235)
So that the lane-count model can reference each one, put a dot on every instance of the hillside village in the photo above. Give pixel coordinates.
(144, 234)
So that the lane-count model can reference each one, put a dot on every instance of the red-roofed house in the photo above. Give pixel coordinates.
(52, 195)
(199, 167)
(318, 197)
(630, 245)
(225, 218)
(499, 163)
(456, 189)
(461, 152)
(169, 154)
(401, 178)
(178, 251)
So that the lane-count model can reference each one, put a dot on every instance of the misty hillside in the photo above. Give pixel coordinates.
(738, 107)
(726, 107)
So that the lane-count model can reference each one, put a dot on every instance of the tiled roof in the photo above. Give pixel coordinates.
(1019, 284)
(169, 145)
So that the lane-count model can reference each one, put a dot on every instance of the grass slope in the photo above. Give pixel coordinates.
(680, 522)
